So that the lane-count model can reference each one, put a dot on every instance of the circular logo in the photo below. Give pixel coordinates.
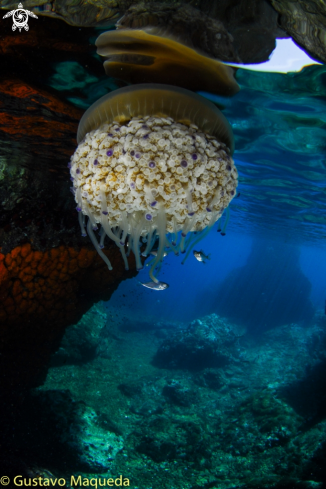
(4, 481)
(20, 18)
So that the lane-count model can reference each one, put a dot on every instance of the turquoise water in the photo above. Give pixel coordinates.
(279, 126)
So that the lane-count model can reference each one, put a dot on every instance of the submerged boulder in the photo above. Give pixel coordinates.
(204, 344)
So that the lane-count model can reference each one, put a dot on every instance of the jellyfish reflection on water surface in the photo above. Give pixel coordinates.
(153, 166)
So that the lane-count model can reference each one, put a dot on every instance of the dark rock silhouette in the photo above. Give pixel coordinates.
(269, 291)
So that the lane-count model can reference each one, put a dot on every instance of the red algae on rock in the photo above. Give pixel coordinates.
(40, 295)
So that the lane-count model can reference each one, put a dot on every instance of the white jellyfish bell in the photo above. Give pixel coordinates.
(153, 168)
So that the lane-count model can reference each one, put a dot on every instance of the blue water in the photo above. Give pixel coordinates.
(193, 286)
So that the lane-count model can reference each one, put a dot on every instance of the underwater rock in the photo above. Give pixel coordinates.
(226, 30)
(96, 447)
(273, 416)
(305, 22)
(166, 439)
(37, 135)
(307, 396)
(58, 432)
(209, 378)
(270, 290)
(209, 342)
(243, 30)
(130, 389)
(87, 13)
(186, 23)
(48, 276)
(41, 294)
(178, 394)
(80, 341)
(190, 350)
(145, 408)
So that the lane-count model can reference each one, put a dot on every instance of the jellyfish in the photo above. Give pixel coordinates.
(138, 56)
(153, 170)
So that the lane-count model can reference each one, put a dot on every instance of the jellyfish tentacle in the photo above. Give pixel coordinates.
(226, 221)
(186, 228)
(124, 227)
(169, 244)
(150, 241)
(102, 237)
(91, 234)
(81, 219)
(161, 227)
(107, 228)
(136, 243)
(79, 199)
(129, 245)
(90, 217)
(199, 238)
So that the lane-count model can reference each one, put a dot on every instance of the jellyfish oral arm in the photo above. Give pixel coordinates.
(161, 228)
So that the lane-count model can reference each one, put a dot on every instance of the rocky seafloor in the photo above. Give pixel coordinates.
(171, 405)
